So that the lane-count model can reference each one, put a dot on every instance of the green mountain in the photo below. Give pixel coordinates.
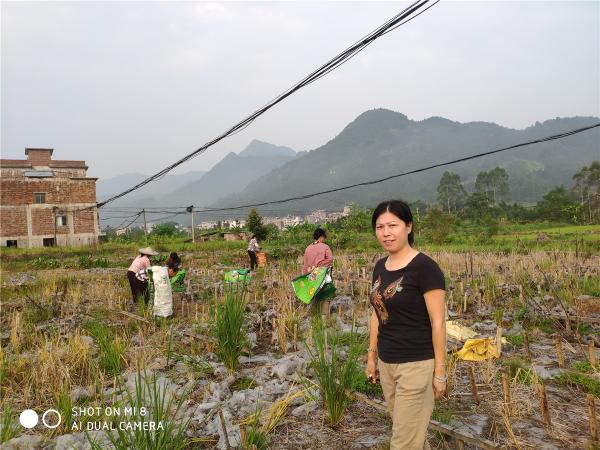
(229, 175)
(380, 142)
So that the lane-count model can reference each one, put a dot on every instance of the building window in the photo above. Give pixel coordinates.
(11, 243)
(48, 242)
(61, 221)
(40, 197)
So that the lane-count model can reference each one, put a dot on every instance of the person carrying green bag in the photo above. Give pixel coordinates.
(317, 254)
(316, 283)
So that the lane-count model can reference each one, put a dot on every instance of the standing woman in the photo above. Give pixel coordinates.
(407, 339)
(253, 247)
(317, 254)
(138, 276)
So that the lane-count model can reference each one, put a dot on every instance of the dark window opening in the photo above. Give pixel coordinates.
(48, 242)
(61, 221)
(11, 243)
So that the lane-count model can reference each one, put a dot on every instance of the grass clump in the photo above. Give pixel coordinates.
(8, 427)
(585, 366)
(64, 405)
(243, 383)
(333, 375)
(515, 339)
(545, 325)
(45, 262)
(519, 371)
(87, 262)
(442, 413)
(362, 384)
(256, 436)
(112, 348)
(228, 328)
(150, 403)
(579, 381)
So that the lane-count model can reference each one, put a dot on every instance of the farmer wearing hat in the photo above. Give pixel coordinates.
(137, 275)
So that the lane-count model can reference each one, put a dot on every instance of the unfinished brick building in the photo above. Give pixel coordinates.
(46, 202)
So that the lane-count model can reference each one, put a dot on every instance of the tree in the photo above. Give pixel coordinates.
(165, 229)
(357, 220)
(255, 225)
(587, 187)
(557, 205)
(477, 206)
(437, 225)
(494, 184)
(451, 192)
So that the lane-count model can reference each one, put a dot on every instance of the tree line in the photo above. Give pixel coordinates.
(577, 204)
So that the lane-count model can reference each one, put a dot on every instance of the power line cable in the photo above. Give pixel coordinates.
(332, 64)
(423, 169)
(130, 223)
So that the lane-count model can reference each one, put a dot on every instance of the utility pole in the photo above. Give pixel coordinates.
(145, 225)
(190, 209)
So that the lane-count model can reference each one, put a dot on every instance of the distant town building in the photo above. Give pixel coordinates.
(318, 216)
(273, 221)
(46, 202)
(233, 223)
(291, 221)
(207, 225)
(332, 217)
(232, 236)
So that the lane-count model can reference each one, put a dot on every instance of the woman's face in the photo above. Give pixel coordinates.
(392, 232)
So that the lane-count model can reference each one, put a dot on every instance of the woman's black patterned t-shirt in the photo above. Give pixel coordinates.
(397, 297)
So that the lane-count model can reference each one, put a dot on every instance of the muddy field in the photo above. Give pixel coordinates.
(71, 340)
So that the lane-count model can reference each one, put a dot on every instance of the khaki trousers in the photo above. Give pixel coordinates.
(408, 392)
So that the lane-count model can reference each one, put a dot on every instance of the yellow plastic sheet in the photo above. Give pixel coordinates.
(458, 331)
(477, 350)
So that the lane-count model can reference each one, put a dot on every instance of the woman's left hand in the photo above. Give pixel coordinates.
(439, 389)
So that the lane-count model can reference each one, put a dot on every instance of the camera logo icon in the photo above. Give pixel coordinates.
(51, 418)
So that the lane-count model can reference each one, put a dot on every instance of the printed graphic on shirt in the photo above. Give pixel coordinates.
(378, 300)
(393, 288)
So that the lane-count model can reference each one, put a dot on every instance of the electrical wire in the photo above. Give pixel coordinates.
(393, 23)
(422, 169)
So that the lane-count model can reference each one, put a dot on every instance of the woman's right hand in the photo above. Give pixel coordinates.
(371, 370)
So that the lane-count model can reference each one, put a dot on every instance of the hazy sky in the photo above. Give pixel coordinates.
(132, 87)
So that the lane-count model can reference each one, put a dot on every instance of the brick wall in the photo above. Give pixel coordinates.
(83, 221)
(13, 222)
(42, 221)
(68, 189)
(58, 190)
(39, 157)
(83, 191)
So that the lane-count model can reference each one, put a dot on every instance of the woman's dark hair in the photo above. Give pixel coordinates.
(398, 208)
(173, 261)
(318, 233)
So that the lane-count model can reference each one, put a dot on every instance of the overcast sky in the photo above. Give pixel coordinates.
(132, 87)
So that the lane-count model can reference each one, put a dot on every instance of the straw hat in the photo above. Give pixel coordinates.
(148, 251)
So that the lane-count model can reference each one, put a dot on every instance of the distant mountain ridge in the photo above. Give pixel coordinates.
(260, 149)
(381, 142)
(106, 187)
(229, 175)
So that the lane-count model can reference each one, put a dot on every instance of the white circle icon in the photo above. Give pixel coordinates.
(28, 418)
(56, 424)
